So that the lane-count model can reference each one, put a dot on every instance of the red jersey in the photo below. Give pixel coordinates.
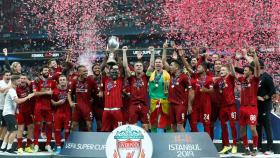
(61, 94)
(138, 90)
(113, 92)
(226, 88)
(22, 92)
(44, 102)
(202, 97)
(249, 90)
(85, 91)
(177, 86)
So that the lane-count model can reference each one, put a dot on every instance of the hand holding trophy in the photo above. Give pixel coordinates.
(113, 45)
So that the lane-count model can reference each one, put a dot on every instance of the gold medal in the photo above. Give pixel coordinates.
(108, 93)
(156, 85)
(177, 83)
(172, 86)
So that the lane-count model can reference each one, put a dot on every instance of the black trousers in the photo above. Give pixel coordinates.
(264, 121)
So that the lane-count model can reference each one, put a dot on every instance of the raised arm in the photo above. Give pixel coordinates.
(164, 58)
(152, 59)
(232, 69)
(257, 65)
(7, 64)
(181, 53)
(125, 64)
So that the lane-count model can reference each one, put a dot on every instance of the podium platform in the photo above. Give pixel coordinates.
(217, 143)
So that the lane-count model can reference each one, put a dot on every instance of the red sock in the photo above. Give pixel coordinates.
(66, 134)
(255, 141)
(225, 134)
(49, 133)
(57, 138)
(193, 127)
(19, 140)
(233, 133)
(245, 141)
(212, 132)
(29, 142)
(207, 129)
(36, 133)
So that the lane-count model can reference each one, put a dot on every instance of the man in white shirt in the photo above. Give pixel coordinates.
(4, 86)
(9, 110)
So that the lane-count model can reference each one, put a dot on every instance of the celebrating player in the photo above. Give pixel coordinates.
(24, 114)
(158, 90)
(228, 111)
(43, 90)
(4, 87)
(84, 89)
(62, 114)
(248, 108)
(138, 105)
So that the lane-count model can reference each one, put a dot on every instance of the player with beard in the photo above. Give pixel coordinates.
(159, 80)
(138, 105)
(62, 114)
(84, 88)
(228, 110)
(201, 109)
(24, 114)
(215, 98)
(112, 116)
(43, 90)
(248, 108)
(4, 87)
(98, 100)
(179, 103)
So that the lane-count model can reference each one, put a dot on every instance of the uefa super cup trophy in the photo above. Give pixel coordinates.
(113, 45)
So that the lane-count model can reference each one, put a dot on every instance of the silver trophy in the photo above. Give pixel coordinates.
(113, 45)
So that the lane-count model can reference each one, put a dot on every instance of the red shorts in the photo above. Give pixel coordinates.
(24, 118)
(138, 112)
(177, 113)
(82, 113)
(62, 120)
(97, 113)
(202, 114)
(111, 119)
(43, 115)
(248, 115)
(228, 113)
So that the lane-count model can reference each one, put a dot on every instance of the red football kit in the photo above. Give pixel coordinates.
(177, 98)
(138, 105)
(85, 91)
(202, 103)
(25, 111)
(62, 115)
(112, 115)
(43, 109)
(248, 108)
(228, 110)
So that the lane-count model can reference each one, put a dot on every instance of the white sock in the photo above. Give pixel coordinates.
(4, 144)
(9, 146)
